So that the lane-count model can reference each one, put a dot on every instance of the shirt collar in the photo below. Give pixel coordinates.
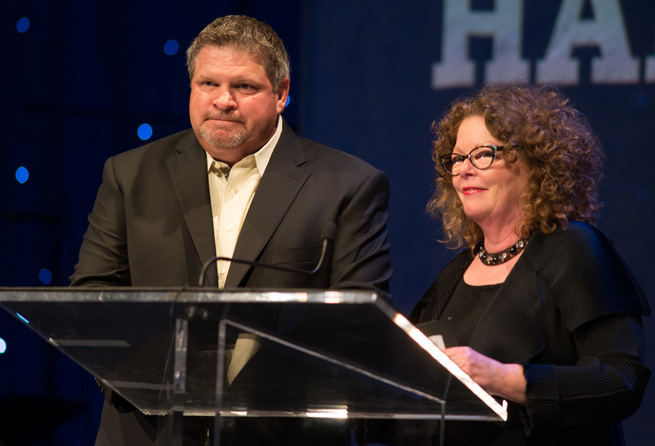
(263, 155)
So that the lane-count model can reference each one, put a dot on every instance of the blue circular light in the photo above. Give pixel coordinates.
(145, 131)
(45, 276)
(171, 47)
(288, 100)
(22, 175)
(3, 346)
(23, 25)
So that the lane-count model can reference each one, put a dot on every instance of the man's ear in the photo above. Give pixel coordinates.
(283, 94)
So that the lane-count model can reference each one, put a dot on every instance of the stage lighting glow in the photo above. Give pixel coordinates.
(288, 100)
(22, 175)
(20, 316)
(3, 346)
(23, 25)
(145, 131)
(171, 47)
(45, 276)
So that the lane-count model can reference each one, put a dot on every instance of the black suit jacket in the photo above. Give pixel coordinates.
(151, 225)
(569, 311)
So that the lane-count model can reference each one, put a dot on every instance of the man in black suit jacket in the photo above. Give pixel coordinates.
(162, 209)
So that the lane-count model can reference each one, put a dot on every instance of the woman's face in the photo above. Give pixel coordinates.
(491, 197)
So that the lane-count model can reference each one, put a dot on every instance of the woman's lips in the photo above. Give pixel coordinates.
(471, 190)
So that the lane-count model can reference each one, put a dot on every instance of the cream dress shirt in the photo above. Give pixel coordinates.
(231, 192)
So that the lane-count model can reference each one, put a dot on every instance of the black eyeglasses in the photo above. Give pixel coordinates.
(481, 157)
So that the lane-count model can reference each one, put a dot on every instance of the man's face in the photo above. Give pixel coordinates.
(233, 106)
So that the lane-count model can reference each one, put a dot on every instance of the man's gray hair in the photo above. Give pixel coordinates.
(244, 33)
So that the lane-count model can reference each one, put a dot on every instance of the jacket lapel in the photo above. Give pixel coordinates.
(434, 300)
(188, 170)
(277, 189)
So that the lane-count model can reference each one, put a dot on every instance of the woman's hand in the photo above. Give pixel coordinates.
(504, 380)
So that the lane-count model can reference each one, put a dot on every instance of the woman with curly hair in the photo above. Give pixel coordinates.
(546, 313)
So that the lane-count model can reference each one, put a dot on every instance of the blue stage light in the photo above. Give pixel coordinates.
(45, 276)
(23, 25)
(171, 47)
(3, 346)
(145, 131)
(288, 100)
(22, 175)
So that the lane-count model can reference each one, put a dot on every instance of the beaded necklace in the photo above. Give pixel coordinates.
(497, 258)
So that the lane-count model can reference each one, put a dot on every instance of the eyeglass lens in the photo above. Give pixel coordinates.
(481, 157)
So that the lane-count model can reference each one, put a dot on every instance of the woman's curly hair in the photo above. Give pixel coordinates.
(563, 155)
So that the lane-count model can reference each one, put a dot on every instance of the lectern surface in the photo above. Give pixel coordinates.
(315, 353)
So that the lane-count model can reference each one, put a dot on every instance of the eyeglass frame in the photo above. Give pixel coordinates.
(463, 158)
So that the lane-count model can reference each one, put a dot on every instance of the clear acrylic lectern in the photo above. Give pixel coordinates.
(198, 352)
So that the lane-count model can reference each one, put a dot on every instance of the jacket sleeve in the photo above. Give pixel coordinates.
(604, 386)
(361, 258)
(103, 259)
(600, 305)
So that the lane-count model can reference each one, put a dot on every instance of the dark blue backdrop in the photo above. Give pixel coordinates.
(368, 77)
